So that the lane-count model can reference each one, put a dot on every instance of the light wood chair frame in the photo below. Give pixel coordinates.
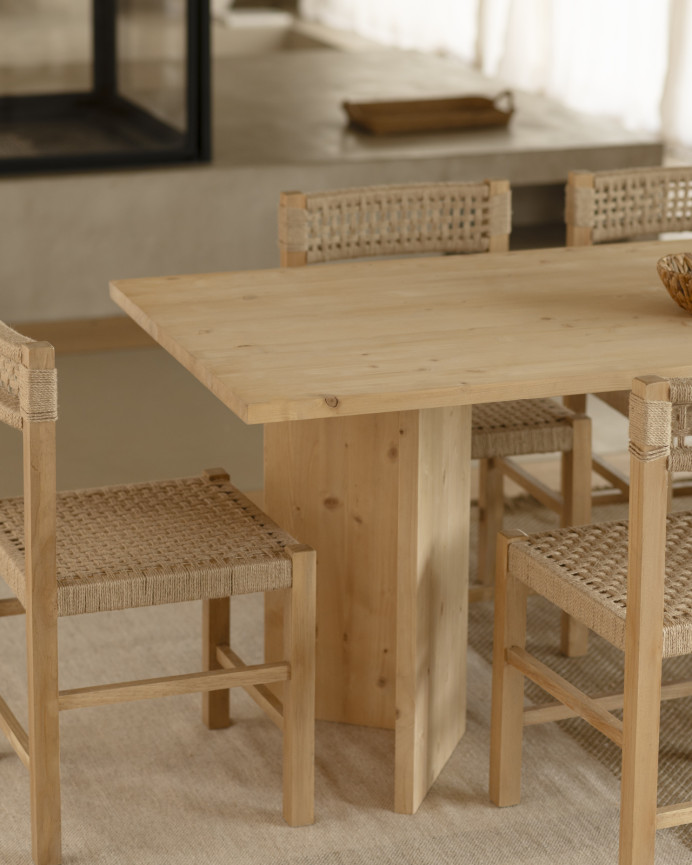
(657, 216)
(573, 503)
(638, 733)
(38, 746)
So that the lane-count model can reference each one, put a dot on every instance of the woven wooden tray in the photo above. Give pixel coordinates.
(422, 115)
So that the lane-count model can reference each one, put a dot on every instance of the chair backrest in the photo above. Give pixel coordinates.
(29, 402)
(394, 220)
(28, 387)
(660, 424)
(603, 206)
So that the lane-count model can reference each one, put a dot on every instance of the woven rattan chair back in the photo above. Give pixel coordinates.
(394, 220)
(139, 545)
(604, 206)
(26, 394)
(660, 422)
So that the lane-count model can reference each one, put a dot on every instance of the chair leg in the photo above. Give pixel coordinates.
(299, 692)
(507, 723)
(639, 785)
(491, 505)
(574, 637)
(216, 630)
(576, 511)
(44, 738)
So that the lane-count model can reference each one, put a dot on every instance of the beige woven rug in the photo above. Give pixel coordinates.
(147, 784)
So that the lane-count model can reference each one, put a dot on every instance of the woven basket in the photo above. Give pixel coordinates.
(676, 274)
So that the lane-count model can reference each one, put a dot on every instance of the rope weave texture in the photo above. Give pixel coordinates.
(38, 394)
(517, 427)
(630, 202)
(650, 428)
(156, 543)
(584, 571)
(11, 342)
(663, 429)
(680, 459)
(25, 394)
(395, 220)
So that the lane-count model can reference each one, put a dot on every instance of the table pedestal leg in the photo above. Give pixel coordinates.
(385, 501)
(432, 608)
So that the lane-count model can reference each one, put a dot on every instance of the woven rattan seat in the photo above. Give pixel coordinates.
(631, 582)
(135, 545)
(584, 571)
(156, 543)
(450, 217)
(527, 426)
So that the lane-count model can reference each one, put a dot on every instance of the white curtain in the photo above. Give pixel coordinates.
(628, 59)
(440, 25)
(675, 106)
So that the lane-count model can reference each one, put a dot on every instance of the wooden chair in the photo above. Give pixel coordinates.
(452, 218)
(114, 548)
(607, 206)
(631, 584)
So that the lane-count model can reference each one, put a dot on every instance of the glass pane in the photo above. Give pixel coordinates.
(152, 57)
(45, 46)
(86, 83)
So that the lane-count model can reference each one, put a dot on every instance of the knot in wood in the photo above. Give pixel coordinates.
(332, 401)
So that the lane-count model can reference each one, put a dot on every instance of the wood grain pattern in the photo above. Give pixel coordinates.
(369, 492)
(335, 484)
(506, 722)
(576, 511)
(11, 607)
(499, 242)
(591, 710)
(216, 630)
(578, 235)
(491, 509)
(261, 694)
(364, 337)
(171, 686)
(16, 734)
(42, 625)
(643, 648)
(432, 597)
(290, 201)
(532, 485)
(299, 691)
(674, 815)
(558, 711)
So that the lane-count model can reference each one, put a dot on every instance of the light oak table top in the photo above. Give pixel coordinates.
(367, 337)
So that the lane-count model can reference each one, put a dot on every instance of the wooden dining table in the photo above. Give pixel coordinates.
(364, 374)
